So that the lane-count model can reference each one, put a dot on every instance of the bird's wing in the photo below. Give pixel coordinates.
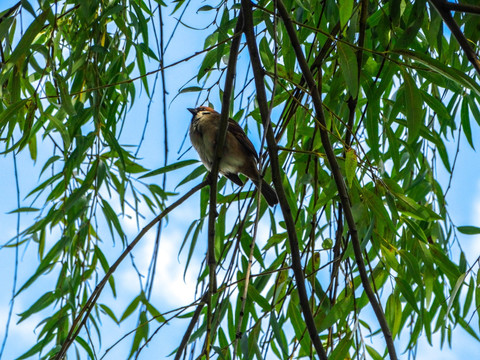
(240, 135)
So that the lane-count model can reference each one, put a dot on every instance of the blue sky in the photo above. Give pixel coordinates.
(170, 289)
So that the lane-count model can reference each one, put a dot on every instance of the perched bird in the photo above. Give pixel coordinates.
(239, 155)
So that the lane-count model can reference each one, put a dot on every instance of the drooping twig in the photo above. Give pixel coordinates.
(337, 175)
(220, 141)
(84, 313)
(191, 326)
(277, 179)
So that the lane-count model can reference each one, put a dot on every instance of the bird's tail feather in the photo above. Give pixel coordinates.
(268, 192)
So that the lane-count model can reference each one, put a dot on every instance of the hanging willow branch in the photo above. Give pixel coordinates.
(337, 175)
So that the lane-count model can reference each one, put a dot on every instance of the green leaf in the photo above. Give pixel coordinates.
(437, 66)
(43, 301)
(465, 120)
(23, 209)
(469, 230)
(349, 67)
(37, 347)
(169, 168)
(27, 38)
(373, 353)
(85, 346)
(112, 218)
(350, 165)
(205, 8)
(413, 104)
(140, 334)
(258, 298)
(47, 261)
(208, 63)
(454, 293)
(341, 349)
(407, 293)
(190, 89)
(10, 111)
(415, 229)
(279, 334)
(60, 127)
(345, 8)
(109, 312)
(266, 54)
(131, 308)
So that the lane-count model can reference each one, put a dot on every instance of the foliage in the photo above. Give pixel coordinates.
(394, 85)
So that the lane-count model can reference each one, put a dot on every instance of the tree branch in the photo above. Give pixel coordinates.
(191, 326)
(443, 9)
(466, 8)
(337, 175)
(277, 178)
(220, 141)
(84, 313)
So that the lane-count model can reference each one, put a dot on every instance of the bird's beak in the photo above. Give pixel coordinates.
(193, 111)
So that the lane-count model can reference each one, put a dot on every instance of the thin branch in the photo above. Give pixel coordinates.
(191, 326)
(443, 9)
(337, 175)
(15, 271)
(466, 8)
(84, 313)
(277, 178)
(131, 80)
(220, 141)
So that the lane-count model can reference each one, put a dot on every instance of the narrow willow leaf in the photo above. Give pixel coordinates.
(435, 65)
(193, 175)
(345, 8)
(112, 218)
(407, 292)
(349, 67)
(169, 168)
(9, 112)
(350, 165)
(279, 334)
(415, 229)
(27, 38)
(454, 293)
(266, 54)
(131, 308)
(46, 262)
(43, 301)
(469, 230)
(258, 298)
(23, 209)
(373, 353)
(140, 334)
(85, 346)
(109, 312)
(341, 349)
(190, 89)
(465, 120)
(37, 347)
(413, 104)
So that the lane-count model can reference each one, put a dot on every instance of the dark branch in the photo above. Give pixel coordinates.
(191, 326)
(337, 175)
(443, 9)
(277, 178)
(466, 8)
(84, 313)
(220, 141)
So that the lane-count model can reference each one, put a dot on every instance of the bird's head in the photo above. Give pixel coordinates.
(201, 111)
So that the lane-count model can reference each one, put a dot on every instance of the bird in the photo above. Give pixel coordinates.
(239, 154)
